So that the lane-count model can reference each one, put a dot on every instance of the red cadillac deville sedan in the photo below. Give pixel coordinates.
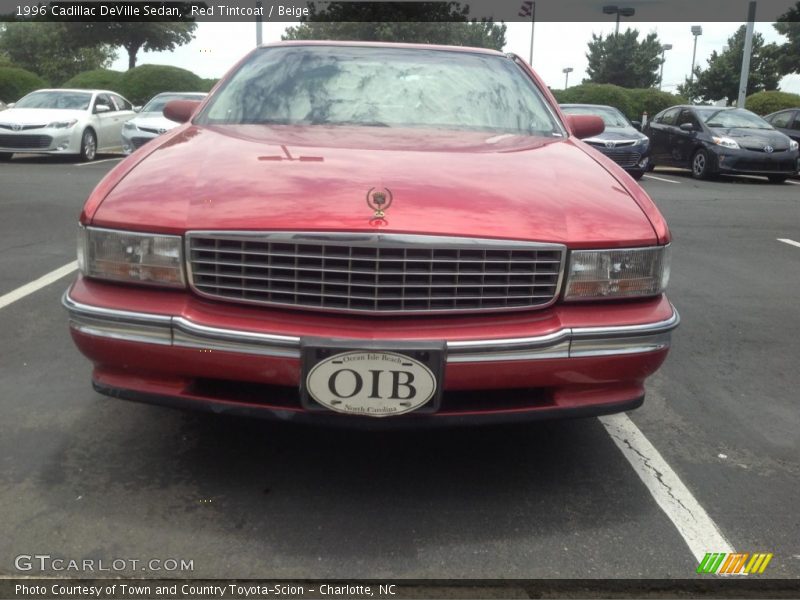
(344, 231)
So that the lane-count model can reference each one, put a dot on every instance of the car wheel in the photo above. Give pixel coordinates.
(700, 165)
(778, 178)
(651, 166)
(6, 156)
(88, 145)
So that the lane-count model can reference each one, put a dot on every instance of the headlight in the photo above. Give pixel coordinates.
(793, 145)
(129, 125)
(130, 256)
(63, 124)
(620, 273)
(725, 142)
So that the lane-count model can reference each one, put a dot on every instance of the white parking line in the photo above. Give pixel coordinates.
(788, 241)
(97, 162)
(661, 179)
(699, 532)
(38, 284)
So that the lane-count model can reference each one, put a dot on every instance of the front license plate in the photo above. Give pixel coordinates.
(382, 381)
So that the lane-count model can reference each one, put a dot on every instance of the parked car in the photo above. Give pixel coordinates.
(621, 140)
(151, 122)
(787, 122)
(311, 247)
(62, 121)
(711, 140)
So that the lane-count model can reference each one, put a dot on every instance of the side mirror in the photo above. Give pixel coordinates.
(102, 108)
(137, 109)
(180, 111)
(585, 126)
(686, 127)
(637, 125)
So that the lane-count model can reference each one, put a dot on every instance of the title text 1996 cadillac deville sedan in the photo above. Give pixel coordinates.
(344, 231)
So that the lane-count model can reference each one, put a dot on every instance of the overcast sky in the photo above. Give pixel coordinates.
(217, 46)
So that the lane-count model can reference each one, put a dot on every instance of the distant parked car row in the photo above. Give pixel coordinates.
(709, 140)
(81, 122)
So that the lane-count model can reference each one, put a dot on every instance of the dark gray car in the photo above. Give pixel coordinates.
(711, 140)
(787, 122)
(621, 141)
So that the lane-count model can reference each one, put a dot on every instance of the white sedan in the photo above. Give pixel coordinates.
(82, 122)
(151, 122)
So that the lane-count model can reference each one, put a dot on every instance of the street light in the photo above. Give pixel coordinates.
(625, 11)
(696, 32)
(664, 48)
(566, 71)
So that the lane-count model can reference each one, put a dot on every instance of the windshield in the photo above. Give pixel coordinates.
(156, 105)
(56, 99)
(611, 116)
(382, 87)
(737, 117)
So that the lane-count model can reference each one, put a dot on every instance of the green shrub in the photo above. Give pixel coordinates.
(764, 103)
(142, 83)
(98, 79)
(651, 101)
(598, 93)
(15, 83)
(207, 85)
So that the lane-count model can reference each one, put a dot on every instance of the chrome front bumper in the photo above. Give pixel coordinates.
(568, 342)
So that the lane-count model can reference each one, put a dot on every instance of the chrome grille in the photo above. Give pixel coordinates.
(138, 142)
(374, 273)
(623, 158)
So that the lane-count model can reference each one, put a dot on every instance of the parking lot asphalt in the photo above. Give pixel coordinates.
(84, 476)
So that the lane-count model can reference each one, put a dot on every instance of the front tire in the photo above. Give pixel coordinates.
(6, 156)
(777, 178)
(701, 165)
(637, 175)
(88, 146)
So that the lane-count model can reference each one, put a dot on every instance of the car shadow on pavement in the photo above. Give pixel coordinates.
(343, 503)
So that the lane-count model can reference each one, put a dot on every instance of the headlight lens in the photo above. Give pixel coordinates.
(63, 124)
(793, 145)
(620, 273)
(131, 256)
(129, 125)
(726, 142)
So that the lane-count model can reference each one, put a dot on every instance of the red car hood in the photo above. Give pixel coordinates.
(317, 178)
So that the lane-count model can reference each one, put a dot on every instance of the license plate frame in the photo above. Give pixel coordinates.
(432, 354)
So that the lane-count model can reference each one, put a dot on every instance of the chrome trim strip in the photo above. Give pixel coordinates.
(386, 240)
(179, 331)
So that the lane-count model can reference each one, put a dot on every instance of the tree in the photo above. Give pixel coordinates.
(149, 36)
(624, 60)
(414, 22)
(789, 25)
(49, 50)
(721, 78)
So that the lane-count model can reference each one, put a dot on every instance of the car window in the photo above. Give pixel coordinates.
(670, 116)
(383, 87)
(796, 122)
(686, 116)
(121, 103)
(731, 117)
(56, 99)
(104, 99)
(158, 103)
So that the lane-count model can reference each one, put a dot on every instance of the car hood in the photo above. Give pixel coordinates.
(154, 121)
(39, 116)
(255, 177)
(754, 139)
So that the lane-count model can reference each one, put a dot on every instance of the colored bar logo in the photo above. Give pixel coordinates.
(723, 563)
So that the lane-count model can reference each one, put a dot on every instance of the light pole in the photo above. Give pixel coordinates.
(566, 71)
(664, 48)
(625, 11)
(697, 31)
(259, 32)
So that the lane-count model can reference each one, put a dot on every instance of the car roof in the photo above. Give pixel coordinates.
(463, 49)
(577, 104)
(181, 93)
